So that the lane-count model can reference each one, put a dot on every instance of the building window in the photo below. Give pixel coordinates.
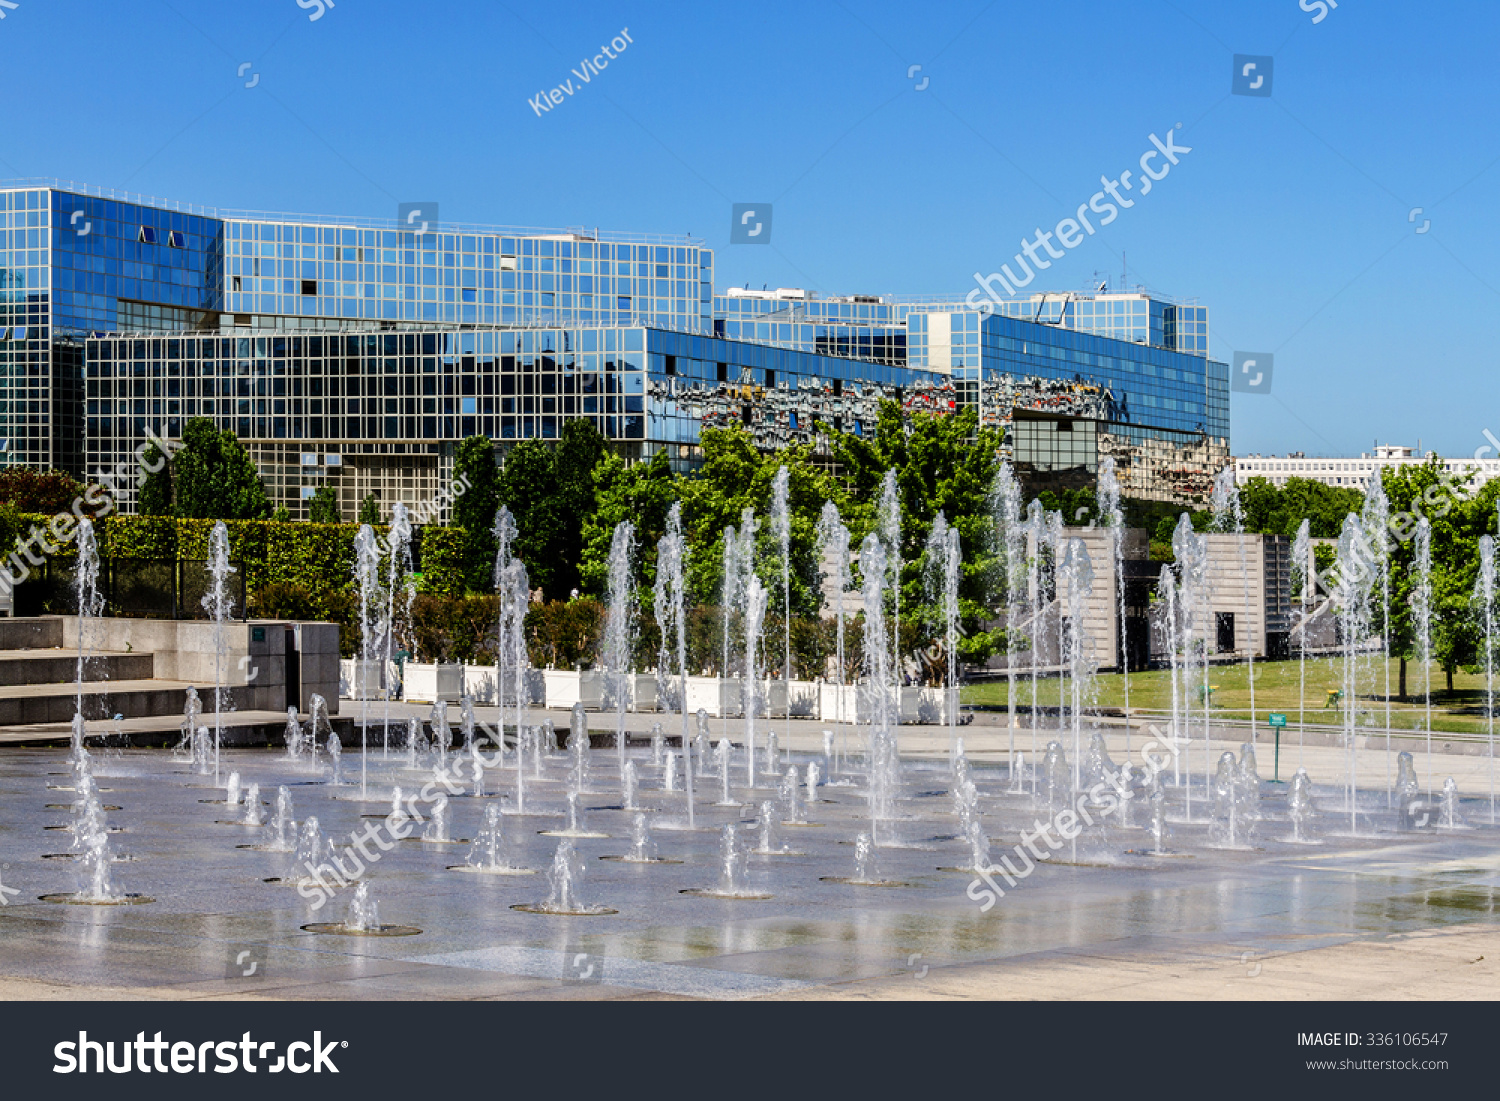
(177, 239)
(723, 372)
(310, 286)
(148, 235)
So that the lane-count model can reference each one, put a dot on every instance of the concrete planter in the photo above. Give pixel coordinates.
(565, 687)
(426, 682)
(843, 704)
(719, 696)
(360, 679)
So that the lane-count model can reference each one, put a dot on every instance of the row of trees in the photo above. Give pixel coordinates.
(567, 500)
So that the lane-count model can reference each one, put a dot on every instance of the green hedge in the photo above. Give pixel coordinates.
(316, 557)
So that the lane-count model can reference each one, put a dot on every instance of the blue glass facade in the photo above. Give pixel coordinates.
(358, 354)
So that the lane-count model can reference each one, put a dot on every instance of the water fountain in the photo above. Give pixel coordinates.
(1450, 819)
(336, 759)
(773, 755)
(1375, 520)
(755, 614)
(1300, 809)
(91, 842)
(192, 713)
(90, 603)
(942, 565)
(670, 598)
(1190, 549)
(362, 919)
(442, 734)
(1077, 573)
(1484, 596)
(399, 578)
(1166, 591)
(293, 734)
(888, 527)
(1035, 541)
(253, 814)
(1422, 615)
(578, 749)
(515, 586)
(1235, 800)
(466, 723)
(1230, 518)
(1107, 496)
(627, 787)
(1056, 791)
(367, 580)
(884, 756)
(621, 598)
(721, 761)
(488, 853)
(219, 607)
(564, 879)
(734, 871)
(833, 545)
(1352, 598)
(504, 533)
(1302, 583)
(669, 772)
(658, 744)
(1005, 506)
(283, 827)
(575, 827)
(436, 830)
(788, 793)
(866, 873)
(781, 529)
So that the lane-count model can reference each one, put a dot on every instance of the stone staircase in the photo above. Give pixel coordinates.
(122, 693)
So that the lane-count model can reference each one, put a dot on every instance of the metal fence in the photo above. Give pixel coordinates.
(137, 588)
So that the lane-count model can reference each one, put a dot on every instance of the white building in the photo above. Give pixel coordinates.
(1355, 473)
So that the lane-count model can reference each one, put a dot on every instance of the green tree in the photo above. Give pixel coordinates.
(213, 477)
(323, 508)
(154, 497)
(475, 509)
(550, 491)
(942, 462)
(641, 493)
(369, 510)
(281, 515)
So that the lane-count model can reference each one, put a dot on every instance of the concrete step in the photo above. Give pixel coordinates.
(247, 728)
(59, 666)
(41, 633)
(30, 704)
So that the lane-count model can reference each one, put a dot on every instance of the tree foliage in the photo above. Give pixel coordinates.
(323, 507)
(213, 477)
(474, 510)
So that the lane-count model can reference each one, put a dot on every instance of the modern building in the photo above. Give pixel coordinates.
(1351, 473)
(358, 352)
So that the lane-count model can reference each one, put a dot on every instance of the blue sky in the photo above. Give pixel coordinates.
(1290, 219)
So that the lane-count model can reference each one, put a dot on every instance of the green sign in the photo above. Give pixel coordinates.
(1278, 719)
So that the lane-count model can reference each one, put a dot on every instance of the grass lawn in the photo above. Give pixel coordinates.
(1276, 689)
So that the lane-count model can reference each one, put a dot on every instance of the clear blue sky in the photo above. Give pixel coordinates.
(1289, 219)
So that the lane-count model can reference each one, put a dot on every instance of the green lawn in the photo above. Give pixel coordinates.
(1276, 689)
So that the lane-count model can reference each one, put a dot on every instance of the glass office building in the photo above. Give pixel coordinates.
(354, 353)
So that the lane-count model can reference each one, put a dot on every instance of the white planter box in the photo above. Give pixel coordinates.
(643, 692)
(565, 687)
(427, 682)
(719, 696)
(360, 679)
(479, 683)
(842, 704)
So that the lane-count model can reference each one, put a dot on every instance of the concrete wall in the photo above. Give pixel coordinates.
(254, 662)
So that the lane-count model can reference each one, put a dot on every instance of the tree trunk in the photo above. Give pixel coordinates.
(1449, 674)
(1401, 691)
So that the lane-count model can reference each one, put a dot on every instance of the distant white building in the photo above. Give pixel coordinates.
(1355, 473)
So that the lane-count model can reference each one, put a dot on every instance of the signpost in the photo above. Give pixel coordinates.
(1277, 721)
